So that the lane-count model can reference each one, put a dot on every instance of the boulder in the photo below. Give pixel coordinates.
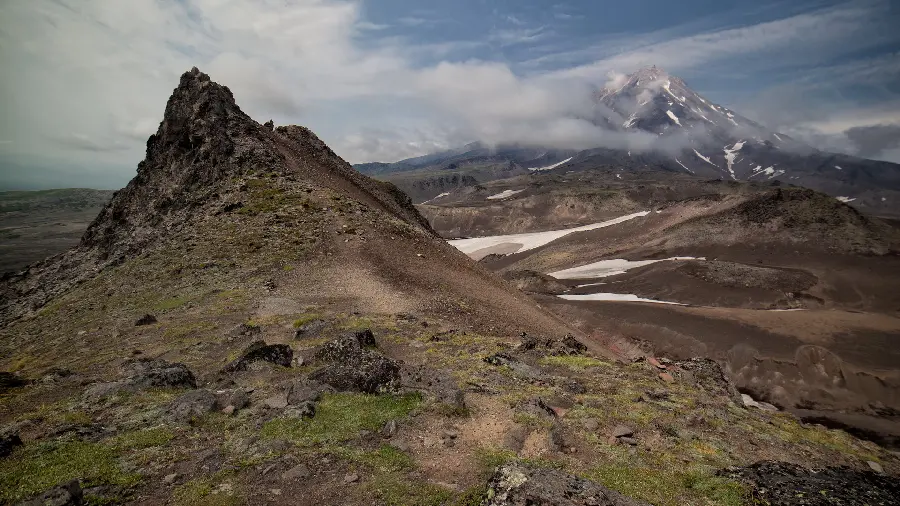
(517, 485)
(68, 494)
(10, 380)
(789, 484)
(367, 372)
(9, 440)
(436, 382)
(310, 328)
(146, 373)
(147, 319)
(191, 405)
(355, 366)
(259, 351)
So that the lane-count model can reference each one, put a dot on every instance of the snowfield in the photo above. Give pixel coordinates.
(845, 199)
(478, 247)
(436, 197)
(673, 117)
(605, 268)
(621, 297)
(555, 165)
(504, 194)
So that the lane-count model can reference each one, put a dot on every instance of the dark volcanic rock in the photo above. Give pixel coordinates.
(9, 440)
(69, 494)
(10, 380)
(145, 373)
(147, 319)
(310, 328)
(355, 366)
(516, 485)
(567, 345)
(279, 354)
(709, 375)
(368, 372)
(788, 484)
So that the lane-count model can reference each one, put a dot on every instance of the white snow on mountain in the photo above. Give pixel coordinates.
(674, 118)
(555, 165)
(707, 160)
(845, 200)
(685, 166)
(730, 154)
(479, 247)
(606, 268)
(504, 194)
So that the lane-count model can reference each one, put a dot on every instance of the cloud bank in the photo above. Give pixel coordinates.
(85, 81)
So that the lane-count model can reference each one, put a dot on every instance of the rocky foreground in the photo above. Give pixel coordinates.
(251, 322)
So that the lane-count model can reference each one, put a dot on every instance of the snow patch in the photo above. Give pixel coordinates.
(618, 297)
(683, 165)
(838, 167)
(845, 199)
(605, 268)
(779, 138)
(555, 165)
(705, 159)
(673, 117)
(517, 243)
(730, 154)
(504, 194)
(436, 197)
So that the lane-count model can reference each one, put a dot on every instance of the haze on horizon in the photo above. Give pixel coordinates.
(85, 82)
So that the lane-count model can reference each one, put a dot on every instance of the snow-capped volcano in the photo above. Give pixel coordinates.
(707, 138)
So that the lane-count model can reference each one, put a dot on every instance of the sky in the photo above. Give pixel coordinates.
(85, 82)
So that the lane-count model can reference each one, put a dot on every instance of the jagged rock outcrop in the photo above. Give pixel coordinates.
(204, 144)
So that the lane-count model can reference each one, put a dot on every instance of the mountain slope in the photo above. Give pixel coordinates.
(250, 321)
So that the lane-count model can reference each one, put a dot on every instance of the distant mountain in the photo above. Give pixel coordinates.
(697, 137)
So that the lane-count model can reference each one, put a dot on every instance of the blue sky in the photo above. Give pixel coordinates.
(85, 81)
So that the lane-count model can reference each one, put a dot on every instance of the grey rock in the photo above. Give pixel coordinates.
(390, 429)
(69, 494)
(875, 466)
(170, 478)
(515, 438)
(556, 439)
(278, 401)
(438, 383)
(303, 410)
(629, 440)
(351, 478)
(297, 472)
(310, 329)
(192, 405)
(304, 391)
(517, 485)
(101, 390)
(622, 431)
(591, 424)
(238, 399)
(146, 373)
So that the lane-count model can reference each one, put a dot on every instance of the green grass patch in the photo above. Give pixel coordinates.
(395, 490)
(574, 362)
(303, 320)
(340, 417)
(170, 303)
(386, 458)
(205, 491)
(36, 468)
(141, 439)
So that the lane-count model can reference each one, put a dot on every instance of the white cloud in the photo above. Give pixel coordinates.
(85, 81)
